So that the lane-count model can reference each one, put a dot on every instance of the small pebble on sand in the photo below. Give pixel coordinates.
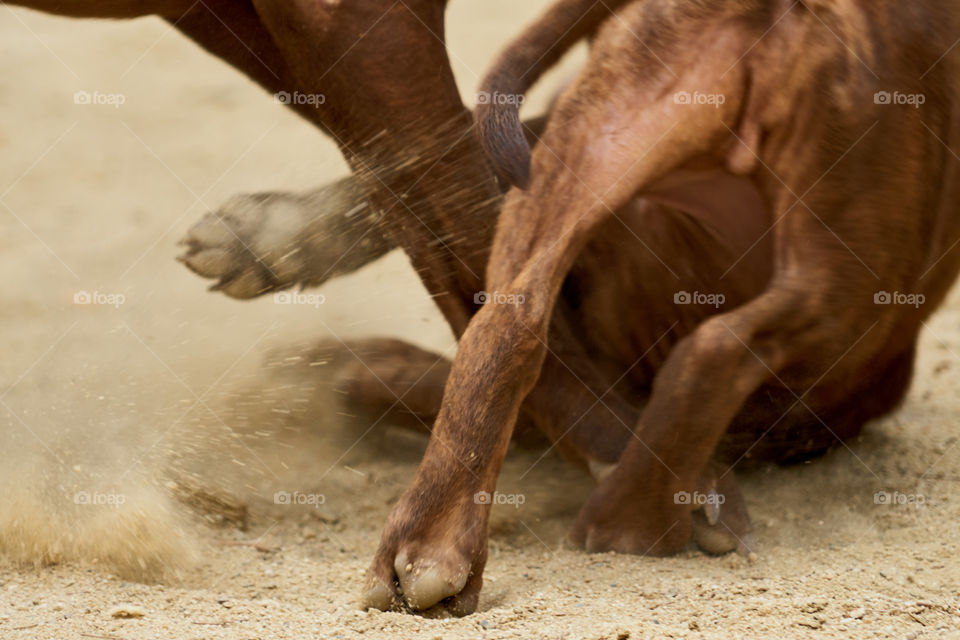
(127, 611)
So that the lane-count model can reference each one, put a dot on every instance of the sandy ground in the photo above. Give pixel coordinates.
(103, 405)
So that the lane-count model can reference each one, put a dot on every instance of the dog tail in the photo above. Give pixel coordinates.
(501, 93)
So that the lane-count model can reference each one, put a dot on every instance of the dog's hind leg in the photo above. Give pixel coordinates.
(382, 380)
(386, 381)
(822, 321)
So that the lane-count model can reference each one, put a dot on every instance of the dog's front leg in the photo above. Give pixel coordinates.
(434, 545)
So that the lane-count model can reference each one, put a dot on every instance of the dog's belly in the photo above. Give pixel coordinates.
(697, 246)
(707, 232)
(788, 425)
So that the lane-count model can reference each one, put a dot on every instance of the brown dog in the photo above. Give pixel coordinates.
(586, 405)
(818, 133)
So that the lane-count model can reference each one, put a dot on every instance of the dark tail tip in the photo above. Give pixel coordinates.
(501, 136)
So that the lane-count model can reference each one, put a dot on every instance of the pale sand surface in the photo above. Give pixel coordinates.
(110, 401)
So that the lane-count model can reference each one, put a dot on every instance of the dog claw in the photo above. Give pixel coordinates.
(723, 524)
(246, 285)
(745, 548)
(712, 508)
(203, 262)
(379, 597)
(424, 586)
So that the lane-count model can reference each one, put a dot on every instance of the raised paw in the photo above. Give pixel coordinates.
(431, 556)
(261, 243)
(246, 245)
